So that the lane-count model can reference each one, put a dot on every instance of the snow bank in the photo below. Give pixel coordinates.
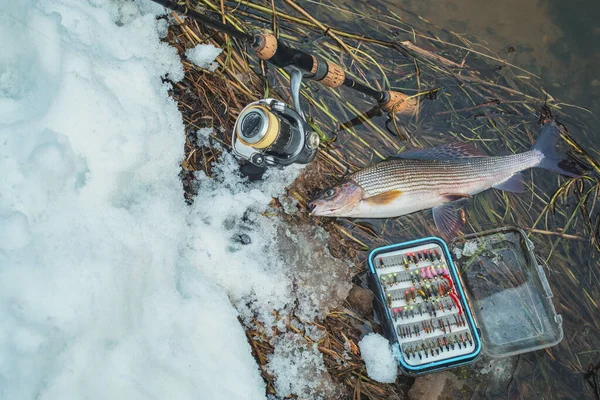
(99, 296)
(378, 357)
(110, 285)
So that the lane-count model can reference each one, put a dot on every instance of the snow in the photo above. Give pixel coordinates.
(203, 55)
(260, 277)
(14, 230)
(99, 295)
(111, 286)
(378, 357)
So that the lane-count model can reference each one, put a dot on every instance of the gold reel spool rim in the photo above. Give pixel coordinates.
(272, 128)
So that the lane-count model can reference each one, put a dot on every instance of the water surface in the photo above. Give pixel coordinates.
(557, 40)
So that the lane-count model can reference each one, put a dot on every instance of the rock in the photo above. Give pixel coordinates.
(439, 386)
(361, 300)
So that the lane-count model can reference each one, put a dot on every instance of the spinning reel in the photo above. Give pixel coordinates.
(269, 133)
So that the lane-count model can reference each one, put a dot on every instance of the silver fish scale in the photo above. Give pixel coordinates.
(465, 175)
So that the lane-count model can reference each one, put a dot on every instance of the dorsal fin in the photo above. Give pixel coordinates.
(384, 198)
(444, 152)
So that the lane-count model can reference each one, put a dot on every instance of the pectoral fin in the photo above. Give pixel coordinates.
(384, 198)
(448, 216)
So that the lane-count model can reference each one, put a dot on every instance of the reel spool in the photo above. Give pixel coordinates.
(269, 133)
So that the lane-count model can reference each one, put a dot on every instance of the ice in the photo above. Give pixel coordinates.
(203, 55)
(378, 357)
(497, 369)
(457, 252)
(263, 263)
(203, 137)
(299, 369)
(470, 248)
(289, 204)
(320, 281)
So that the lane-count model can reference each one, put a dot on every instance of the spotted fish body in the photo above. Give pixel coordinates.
(440, 178)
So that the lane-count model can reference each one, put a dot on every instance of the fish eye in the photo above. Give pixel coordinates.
(329, 192)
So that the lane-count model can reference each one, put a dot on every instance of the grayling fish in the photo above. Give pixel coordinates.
(440, 178)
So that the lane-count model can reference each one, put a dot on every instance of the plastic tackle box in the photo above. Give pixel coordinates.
(443, 305)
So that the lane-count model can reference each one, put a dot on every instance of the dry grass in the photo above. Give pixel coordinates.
(466, 93)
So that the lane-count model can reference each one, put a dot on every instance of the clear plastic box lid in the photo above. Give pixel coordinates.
(508, 291)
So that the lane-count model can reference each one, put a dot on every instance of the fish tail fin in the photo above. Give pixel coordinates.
(552, 160)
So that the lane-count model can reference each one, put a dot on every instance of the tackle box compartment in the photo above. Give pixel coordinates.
(441, 305)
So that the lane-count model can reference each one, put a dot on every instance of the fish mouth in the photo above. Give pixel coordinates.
(320, 208)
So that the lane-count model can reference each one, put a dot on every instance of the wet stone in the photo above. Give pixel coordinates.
(361, 300)
(438, 386)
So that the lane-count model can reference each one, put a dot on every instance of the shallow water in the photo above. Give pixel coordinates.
(558, 42)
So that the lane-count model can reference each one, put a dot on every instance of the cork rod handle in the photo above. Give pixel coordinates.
(397, 102)
(328, 73)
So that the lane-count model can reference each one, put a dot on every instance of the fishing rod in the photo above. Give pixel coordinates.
(273, 50)
(268, 132)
